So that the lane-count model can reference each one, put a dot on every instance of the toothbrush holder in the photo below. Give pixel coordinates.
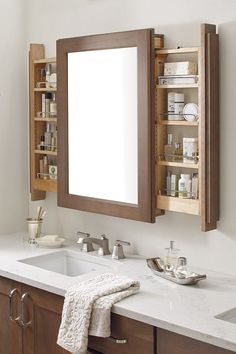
(34, 229)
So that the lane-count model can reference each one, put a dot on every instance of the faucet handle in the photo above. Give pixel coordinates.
(85, 247)
(118, 252)
(82, 235)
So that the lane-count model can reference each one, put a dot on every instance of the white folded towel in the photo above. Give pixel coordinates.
(87, 308)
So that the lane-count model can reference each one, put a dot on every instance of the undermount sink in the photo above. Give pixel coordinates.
(67, 262)
(229, 316)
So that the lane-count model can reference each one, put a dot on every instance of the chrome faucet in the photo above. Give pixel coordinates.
(88, 241)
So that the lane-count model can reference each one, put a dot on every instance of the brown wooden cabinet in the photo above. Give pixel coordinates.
(30, 320)
(173, 343)
(204, 165)
(10, 331)
(41, 178)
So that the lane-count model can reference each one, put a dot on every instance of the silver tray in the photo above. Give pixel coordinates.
(155, 265)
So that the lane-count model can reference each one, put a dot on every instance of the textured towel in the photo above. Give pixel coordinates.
(87, 308)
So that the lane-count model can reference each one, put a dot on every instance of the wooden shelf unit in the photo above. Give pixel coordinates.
(206, 95)
(178, 164)
(183, 123)
(37, 62)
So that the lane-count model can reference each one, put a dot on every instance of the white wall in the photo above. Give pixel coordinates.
(49, 20)
(13, 117)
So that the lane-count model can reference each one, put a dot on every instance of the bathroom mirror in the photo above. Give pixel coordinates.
(106, 124)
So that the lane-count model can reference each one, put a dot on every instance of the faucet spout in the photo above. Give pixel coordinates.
(102, 242)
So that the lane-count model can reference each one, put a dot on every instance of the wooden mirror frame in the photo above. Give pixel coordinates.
(144, 41)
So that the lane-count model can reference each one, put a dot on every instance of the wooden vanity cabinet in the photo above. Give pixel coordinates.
(173, 343)
(41, 316)
(10, 331)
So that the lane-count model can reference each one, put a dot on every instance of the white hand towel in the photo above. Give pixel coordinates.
(87, 309)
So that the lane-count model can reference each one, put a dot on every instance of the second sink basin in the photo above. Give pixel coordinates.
(228, 316)
(67, 262)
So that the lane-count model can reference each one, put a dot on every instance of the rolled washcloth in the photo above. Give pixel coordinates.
(87, 309)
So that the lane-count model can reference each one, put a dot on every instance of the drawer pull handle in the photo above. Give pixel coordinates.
(118, 340)
(11, 298)
(22, 315)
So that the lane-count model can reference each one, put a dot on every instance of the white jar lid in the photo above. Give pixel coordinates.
(190, 140)
(190, 112)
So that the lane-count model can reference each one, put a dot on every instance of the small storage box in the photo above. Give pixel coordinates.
(180, 68)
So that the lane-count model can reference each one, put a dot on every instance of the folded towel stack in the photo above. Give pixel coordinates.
(87, 308)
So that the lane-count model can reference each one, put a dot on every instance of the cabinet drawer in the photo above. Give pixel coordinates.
(139, 336)
(169, 342)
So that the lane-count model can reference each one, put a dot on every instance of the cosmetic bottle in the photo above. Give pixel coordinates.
(168, 183)
(48, 137)
(45, 167)
(177, 153)
(171, 105)
(168, 148)
(194, 186)
(48, 97)
(171, 258)
(185, 185)
(48, 70)
(179, 106)
(43, 106)
(174, 185)
(42, 143)
(53, 106)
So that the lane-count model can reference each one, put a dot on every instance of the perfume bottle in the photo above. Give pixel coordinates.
(168, 148)
(171, 259)
(178, 153)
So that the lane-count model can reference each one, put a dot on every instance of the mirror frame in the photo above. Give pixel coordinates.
(144, 41)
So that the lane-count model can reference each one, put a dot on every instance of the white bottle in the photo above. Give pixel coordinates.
(179, 106)
(184, 186)
(190, 148)
(171, 105)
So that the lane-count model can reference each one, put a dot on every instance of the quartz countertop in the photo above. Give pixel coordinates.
(187, 310)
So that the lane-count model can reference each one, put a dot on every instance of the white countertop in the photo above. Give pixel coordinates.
(187, 310)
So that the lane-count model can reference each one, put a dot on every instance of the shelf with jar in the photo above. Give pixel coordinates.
(43, 123)
(184, 132)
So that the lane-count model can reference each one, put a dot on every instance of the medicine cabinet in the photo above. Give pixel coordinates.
(113, 96)
(42, 122)
(106, 124)
(200, 92)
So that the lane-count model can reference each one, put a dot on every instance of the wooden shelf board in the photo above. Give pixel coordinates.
(45, 152)
(177, 50)
(44, 89)
(188, 206)
(52, 120)
(178, 164)
(177, 86)
(178, 122)
(47, 185)
(45, 60)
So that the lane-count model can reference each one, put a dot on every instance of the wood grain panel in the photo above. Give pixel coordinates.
(140, 337)
(144, 41)
(173, 343)
(10, 331)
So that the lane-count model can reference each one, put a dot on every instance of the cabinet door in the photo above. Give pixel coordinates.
(139, 338)
(10, 331)
(169, 342)
(42, 312)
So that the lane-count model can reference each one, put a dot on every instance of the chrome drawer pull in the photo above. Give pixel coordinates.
(22, 315)
(11, 296)
(118, 340)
